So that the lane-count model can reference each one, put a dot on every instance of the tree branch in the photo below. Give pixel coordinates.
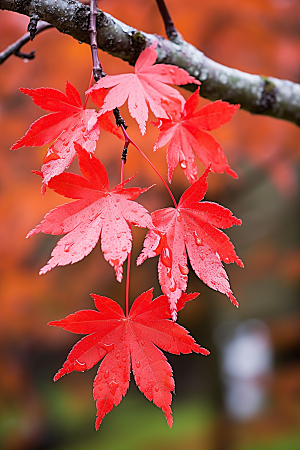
(14, 49)
(256, 94)
(171, 31)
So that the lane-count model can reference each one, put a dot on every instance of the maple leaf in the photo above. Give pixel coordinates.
(146, 87)
(69, 123)
(120, 339)
(96, 212)
(186, 131)
(192, 227)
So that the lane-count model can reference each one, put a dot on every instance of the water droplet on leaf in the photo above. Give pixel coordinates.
(166, 256)
(197, 239)
(67, 247)
(80, 367)
(184, 270)
(173, 285)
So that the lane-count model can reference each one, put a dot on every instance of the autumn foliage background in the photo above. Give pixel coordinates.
(257, 36)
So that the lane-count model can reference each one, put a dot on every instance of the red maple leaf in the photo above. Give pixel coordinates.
(120, 339)
(96, 212)
(146, 87)
(192, 227)
(69, 123)
(186, 131)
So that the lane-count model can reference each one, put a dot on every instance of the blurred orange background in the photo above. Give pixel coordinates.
(223, 402)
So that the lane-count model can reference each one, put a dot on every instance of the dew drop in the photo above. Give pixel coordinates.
(118, 355)
(184, 270)
(197, 239)
(67, 247)
(183, 164)
(124, 249)
(106, 374)
(80, 367)
(50, 157)
(172, 71)
(118, 218)
(173, 285)
(114, 262)
(156, 388)
(65, 143)
(169, 273)
(124, 359)
(161, 242)
(113, 386)
(178, 217)
(166, 256)
(100, 388)
(138, 364)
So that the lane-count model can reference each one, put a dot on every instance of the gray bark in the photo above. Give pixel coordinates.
(256, 94)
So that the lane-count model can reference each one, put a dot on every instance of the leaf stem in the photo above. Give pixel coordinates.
(90, 85)
(127, 283)
(130, 141)
(122, 170)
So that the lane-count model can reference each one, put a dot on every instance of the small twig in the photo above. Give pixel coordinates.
(22, 55)
(171, 31)
(119, 119)
(14, 49)
(97, 69)
(98, 72)
(32, 26)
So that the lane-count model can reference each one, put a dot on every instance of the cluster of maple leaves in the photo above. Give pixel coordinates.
(190, 228)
